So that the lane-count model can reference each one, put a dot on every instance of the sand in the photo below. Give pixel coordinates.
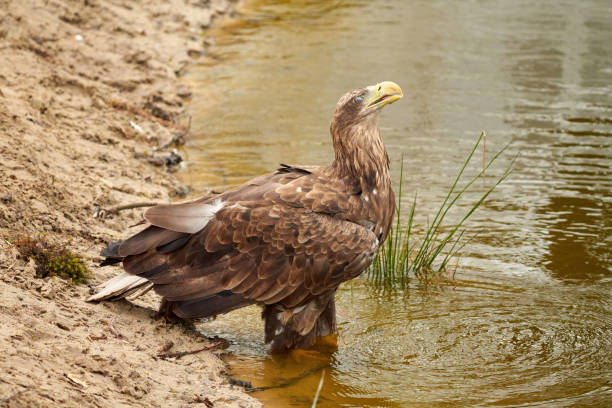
(88, 90)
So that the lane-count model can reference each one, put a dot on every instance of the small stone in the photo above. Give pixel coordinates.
(48, 291)
(183, 91)
(158, 111)
(139, 57)
(173, 158)
(182, 191)
(196, 52)
(63, 326)
(6, 197)
(157, 161)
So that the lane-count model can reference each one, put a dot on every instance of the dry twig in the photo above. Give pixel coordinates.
(176, 139)
(103, 212)
(110, 328)
(141, 112)
(13, 395)
(74, 379)
(179, 354)
(92, 337)
(166, 347)
(179, 138)
(198, 398)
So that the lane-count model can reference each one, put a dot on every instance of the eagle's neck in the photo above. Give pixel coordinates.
(360, 153)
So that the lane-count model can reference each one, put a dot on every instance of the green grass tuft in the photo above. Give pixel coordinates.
(52, 259)
(401, 254)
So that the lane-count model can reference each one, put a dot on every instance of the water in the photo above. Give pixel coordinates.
(527, 320)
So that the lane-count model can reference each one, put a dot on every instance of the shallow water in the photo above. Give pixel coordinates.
(527, 320)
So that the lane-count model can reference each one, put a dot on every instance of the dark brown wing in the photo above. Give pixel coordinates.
(273, 254)
(261, 247)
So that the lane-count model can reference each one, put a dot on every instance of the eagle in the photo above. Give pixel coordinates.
(285, 240)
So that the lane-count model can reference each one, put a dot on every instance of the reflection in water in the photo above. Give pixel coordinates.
(589, 254)
(528, 319)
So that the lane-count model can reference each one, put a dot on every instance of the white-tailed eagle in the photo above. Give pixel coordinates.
(285, 240)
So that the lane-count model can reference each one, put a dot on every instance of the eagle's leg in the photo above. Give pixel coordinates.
(325, 340)
(301, 327)
(326, 328)
(166, 312)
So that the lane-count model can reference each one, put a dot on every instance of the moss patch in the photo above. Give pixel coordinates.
(52, 259)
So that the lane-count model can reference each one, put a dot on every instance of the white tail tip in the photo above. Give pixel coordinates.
(121, 286)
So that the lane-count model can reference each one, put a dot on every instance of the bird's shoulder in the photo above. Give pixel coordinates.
(310, 187)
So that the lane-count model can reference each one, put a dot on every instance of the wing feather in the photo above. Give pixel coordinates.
(150, 237)
(284, 291)
(185, 217)
(271, 263)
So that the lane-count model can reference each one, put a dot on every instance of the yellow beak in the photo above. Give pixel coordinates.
(383, 94)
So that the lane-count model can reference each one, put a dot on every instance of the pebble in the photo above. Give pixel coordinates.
(182, 191)
(183, 91)
(63, 326)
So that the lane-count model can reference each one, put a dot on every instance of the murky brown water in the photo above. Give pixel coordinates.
(527, 321)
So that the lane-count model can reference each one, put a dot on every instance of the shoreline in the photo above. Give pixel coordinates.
(89, 96)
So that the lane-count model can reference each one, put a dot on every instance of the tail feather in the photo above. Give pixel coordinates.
(145, 255)
(207, 306)
(110, 261)
(150, 237)
(122, 286)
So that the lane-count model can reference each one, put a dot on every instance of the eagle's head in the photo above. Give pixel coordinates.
(363, 105)
(359, 149)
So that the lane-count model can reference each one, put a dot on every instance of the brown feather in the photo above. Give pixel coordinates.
(150, 237)
(185, 217)
(283, 293)
(209, 305)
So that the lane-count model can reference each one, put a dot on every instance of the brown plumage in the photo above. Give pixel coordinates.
(284, 240)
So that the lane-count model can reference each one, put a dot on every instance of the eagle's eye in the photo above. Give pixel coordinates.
(358, 99)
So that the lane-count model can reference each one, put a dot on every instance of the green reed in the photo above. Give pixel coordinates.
(402, 254)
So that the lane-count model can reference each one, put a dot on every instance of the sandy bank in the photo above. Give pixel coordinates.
(88, 89)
